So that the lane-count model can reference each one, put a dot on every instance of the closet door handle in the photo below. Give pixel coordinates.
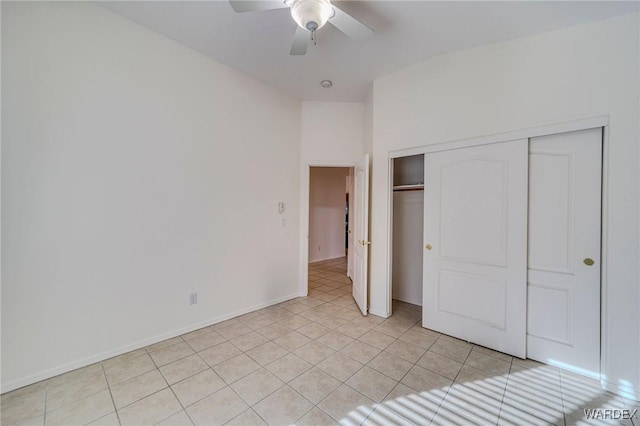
(589, 262)
(428, 247)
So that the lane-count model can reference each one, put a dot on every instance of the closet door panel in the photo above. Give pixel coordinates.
(473, 203)
(565, 175)
(475, 230)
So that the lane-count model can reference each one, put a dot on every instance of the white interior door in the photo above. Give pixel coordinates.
(361, 230)
(350, 226)
(565, 184)
(475, 236)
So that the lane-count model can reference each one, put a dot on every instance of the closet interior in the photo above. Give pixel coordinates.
(408, 218)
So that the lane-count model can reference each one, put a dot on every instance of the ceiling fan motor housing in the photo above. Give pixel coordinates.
(311, 14)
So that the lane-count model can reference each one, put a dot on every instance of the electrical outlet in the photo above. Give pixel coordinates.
(193, 298)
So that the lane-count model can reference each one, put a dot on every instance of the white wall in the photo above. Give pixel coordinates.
(327, 201)
(135, 171)
(575, 73)
(331, 135)
(331, 132)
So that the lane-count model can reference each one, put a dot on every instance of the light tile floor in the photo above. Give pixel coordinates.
(313, 361)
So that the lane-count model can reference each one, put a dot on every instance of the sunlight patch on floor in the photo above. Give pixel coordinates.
(539, 395)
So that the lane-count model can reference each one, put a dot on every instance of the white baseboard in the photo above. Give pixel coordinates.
(382, 314)
(52, 372)
(626, 391)
(411, 301)
(323, 259)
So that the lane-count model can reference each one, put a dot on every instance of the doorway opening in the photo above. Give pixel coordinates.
(330, 236)
(407, 201)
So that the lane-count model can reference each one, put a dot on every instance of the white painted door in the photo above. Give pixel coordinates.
(565, 186)
(361, 230)
(475, 236)
(350, 226)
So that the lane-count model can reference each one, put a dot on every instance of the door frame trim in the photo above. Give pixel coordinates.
(604, 271)
(305, 180)
(543, 130)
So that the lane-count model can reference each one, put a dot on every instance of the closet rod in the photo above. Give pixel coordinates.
(415, 187)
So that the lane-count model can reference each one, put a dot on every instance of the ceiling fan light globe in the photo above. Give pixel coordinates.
(311, 14)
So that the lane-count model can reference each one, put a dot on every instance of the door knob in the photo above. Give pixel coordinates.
(363, 242)
(428, 247)
(588, 261)
(349, 230)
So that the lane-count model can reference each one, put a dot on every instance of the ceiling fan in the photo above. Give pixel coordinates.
(310, 15)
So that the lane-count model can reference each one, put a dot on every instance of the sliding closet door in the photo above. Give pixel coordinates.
(565, 181)
(475, 236)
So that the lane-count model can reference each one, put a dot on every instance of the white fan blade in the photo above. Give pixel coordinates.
(300, 41)
(241, 6)
(350, 25)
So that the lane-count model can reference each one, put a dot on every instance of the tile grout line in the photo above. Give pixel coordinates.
(363, 365)
(115, 408)
(132, 378)
(405, 374)
(316, 366)
(530, 414)
(167, 383)
(163, 378)
(228, 384)
(564, 408)
(46, 396)
(204, 397)
(85, 396)
(251, 407)
(452, 382)
(209, 367)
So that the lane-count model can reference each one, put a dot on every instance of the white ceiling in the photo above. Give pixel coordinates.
(407, 32)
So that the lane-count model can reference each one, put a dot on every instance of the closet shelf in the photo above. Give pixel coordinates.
(413, 187)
